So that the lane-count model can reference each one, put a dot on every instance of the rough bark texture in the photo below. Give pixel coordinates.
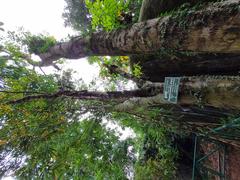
(213, 29)
(74, 49)
(155, 69)
(152, 8)
(218, 93)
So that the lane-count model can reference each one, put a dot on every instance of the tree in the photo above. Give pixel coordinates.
(54, 138)
(156, 67)
(72, 49)
(60, 128)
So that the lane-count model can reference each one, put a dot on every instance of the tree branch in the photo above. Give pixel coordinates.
(28, 58)
(113, 69)
(21, 92)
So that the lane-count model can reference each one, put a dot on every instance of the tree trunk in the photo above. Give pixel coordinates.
(156, 69)
(153, 8)
(85, 95)
(213, 29)
(218, 93)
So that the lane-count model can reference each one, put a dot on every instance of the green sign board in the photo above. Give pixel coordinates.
(170, 90)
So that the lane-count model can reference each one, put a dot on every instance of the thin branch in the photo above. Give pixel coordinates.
(20, 92)
(113, 69)
(56, 67)
(42, 70)
(28, 58)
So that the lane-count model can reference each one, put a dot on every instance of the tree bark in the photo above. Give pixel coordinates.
(152, 8)
(218, 93)
(155, 69)
(212, 29)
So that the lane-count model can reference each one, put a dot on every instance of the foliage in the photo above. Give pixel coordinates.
(121, 62)
(154, 145)
(158, 155)
(134, 7)
(77, 151)
(48, 138)
(136, 70)
(39, 43)
(86, 16)
(20, 42)
(105, 13)
(17, 77)
(66, 138)
(20, 46)
(77, 16)
(53, 146)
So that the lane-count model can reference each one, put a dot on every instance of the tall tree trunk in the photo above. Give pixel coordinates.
(152, 8)
(212, 29)
(155, 69)
(218, 93)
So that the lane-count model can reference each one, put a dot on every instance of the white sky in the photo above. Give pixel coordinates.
(34, 15)
(39, 16)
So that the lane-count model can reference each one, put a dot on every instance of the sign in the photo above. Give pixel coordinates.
(170, 89)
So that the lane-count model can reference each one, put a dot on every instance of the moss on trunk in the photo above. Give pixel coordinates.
(169, 63)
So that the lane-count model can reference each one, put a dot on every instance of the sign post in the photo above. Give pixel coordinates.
(170, 90)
